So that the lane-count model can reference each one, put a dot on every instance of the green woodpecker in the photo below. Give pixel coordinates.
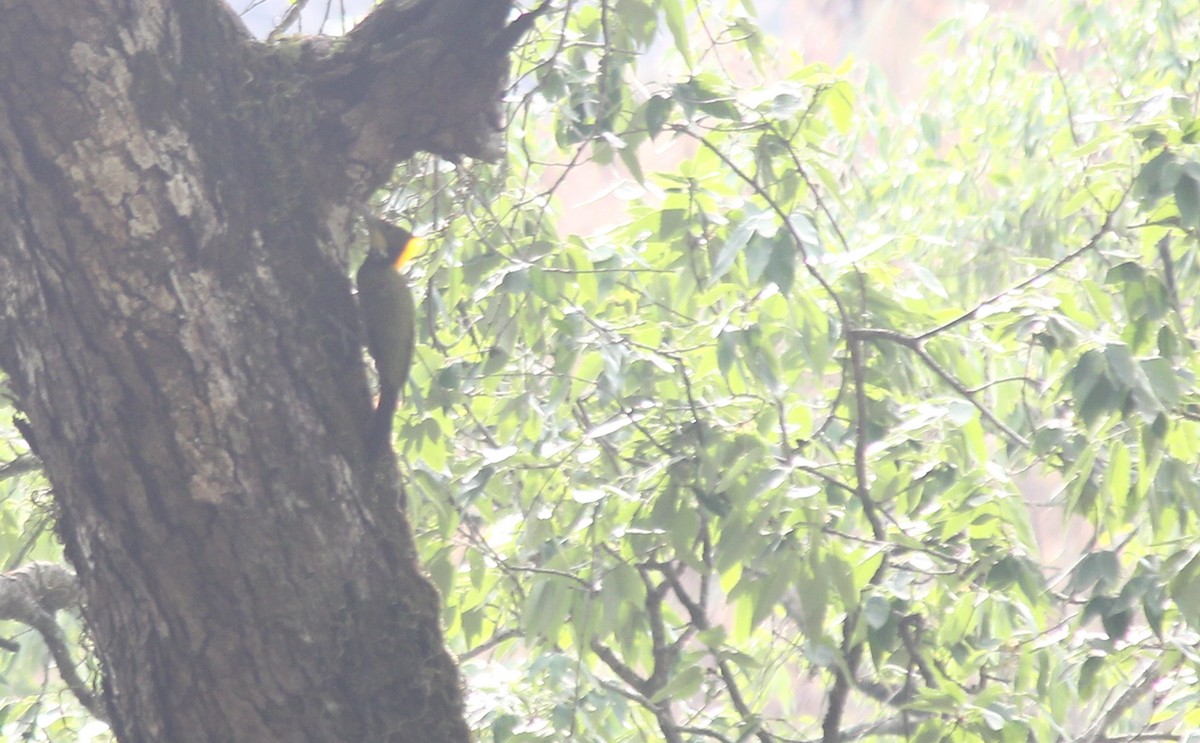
(388, 314)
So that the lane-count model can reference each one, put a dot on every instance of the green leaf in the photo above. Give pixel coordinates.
(842, 576)
(503, 726)
(657, 110)
(781, 268)
(629, 157)
(1183, 591)
(876, 611)
(1100, 569)
(729, 250)
(700, 93)
(1154, 609)
(767, 591)
(682, 685)
(727, 345)
(1119, 474)
(1121, 365)
(812, 589)
(1187, 198)
(839, 99)
(1087, 675)
(761, 359)
(1094, 393)
(1126, 272)
(671, 223)
(1157, 177)
(677, 16)
(441, 572)
(546, 608)
(1116, 623)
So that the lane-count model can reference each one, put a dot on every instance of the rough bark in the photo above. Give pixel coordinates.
(175, 211)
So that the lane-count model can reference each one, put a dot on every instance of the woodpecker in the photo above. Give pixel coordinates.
(388, 313)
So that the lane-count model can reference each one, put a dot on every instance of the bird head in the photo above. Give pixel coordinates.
(391, 243)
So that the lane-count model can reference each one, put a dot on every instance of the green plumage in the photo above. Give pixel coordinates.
(389, 316)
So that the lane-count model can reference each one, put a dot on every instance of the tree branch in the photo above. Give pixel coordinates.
(31, 595)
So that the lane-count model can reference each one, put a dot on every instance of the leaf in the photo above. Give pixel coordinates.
(959, 622)
(781, 267)
(1187, 199)
(701, 93)
(472, 624)
(546, 608)
(1183, 591)
(1116, 623)
(839, 99)
(1094, 394)
(629, 157)
(812, 591)
(503, 726)
(995, 721)
(729, 251)
(1154, 608)
(761, 359)
(441, 572)
(671, 222)
(876, 611)
(805, 229)
(1119, 474)
(727, 345)
(1125, 272)
(1163, 381)
(1121, 365)
(1157, 177)
(1100, 569)
(677, 23)
(820, 652)
(767, 591)
(657, 110)
(1087, 675)
(682, 685)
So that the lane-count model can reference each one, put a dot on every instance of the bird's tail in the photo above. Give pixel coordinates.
(380, 435)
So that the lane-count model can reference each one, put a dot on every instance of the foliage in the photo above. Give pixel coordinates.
(842, 388)
(840, 385)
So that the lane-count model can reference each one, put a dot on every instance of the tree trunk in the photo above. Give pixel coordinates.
(175, 210)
